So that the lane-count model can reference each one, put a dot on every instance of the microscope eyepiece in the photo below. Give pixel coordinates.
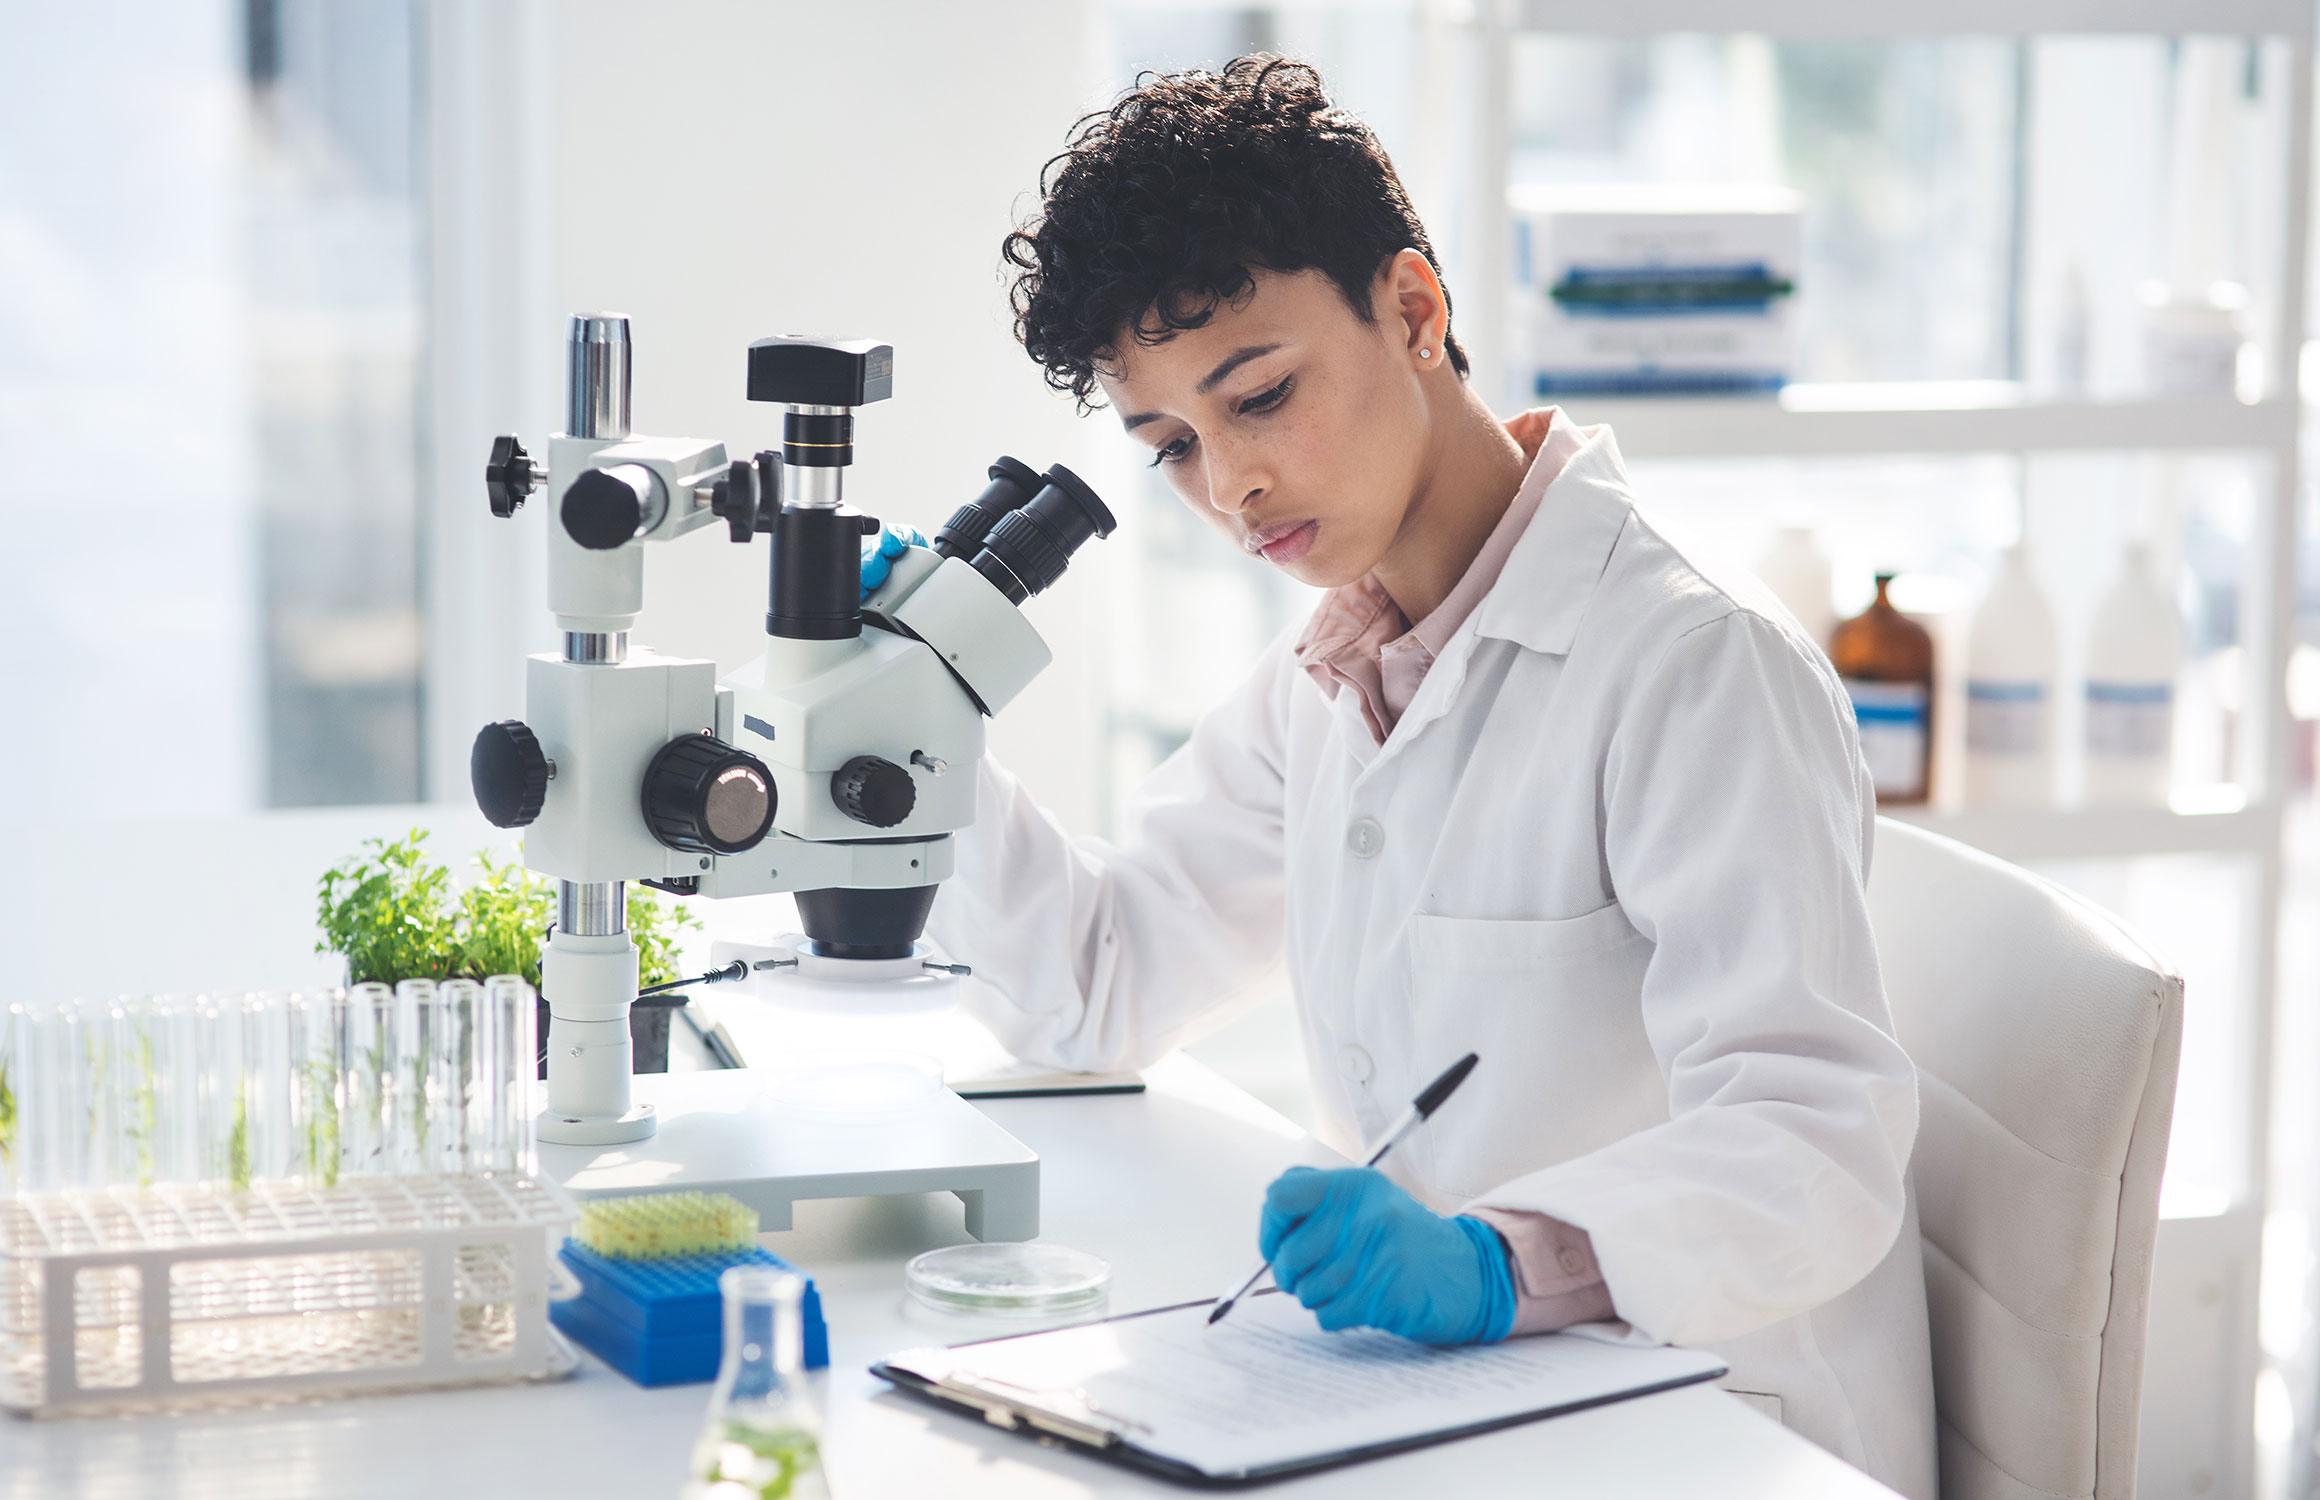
(1013, 483)
(1031, 546)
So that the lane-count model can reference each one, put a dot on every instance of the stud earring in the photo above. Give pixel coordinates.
(1425, 354)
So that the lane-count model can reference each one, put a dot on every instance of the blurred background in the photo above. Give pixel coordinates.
(2016, 319)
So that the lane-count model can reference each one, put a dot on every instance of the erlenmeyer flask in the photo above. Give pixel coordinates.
(762, 1437)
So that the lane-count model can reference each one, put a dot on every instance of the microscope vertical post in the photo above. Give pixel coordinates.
(590, 967)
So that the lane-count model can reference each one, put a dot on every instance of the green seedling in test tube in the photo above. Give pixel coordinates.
(238, 1143)
(322, 1121)
(7, 1117)
(144, 1105)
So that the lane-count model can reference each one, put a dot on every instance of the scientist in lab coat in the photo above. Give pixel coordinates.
(1528, 784)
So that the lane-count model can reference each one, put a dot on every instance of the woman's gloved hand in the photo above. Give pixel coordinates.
(1362, 1253)
(879, 552)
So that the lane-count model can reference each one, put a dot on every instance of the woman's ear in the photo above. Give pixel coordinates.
(1413, 302)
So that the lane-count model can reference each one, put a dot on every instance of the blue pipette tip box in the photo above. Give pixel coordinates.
(662, 1322)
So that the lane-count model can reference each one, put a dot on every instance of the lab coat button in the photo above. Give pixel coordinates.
(1354, 1063)
(1571, 1260)
(1365, 837)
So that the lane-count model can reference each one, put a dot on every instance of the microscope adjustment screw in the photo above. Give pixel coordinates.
(510, 477)
(509, 773)
(735, 499)
(873, 790)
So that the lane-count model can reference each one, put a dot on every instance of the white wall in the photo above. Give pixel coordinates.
(719, 172)
(726, 171)
(494, 333)
(129, 588)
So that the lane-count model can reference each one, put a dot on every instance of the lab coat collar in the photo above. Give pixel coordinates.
(1551, 575)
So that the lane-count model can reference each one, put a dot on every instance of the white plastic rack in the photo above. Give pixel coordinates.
(133, 1299)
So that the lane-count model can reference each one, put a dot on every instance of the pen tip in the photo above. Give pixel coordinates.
(1218, 1311)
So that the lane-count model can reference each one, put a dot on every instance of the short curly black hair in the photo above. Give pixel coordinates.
(1161, 207)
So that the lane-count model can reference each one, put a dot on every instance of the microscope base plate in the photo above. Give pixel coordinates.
(636, 1125)
(720, 1133)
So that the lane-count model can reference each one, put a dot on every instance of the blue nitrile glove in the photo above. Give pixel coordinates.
(879, 552)
(1362, 1253)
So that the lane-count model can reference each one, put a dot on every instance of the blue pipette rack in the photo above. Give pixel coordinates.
(661, 1322)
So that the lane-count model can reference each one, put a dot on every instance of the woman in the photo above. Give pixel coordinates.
(1528, 784)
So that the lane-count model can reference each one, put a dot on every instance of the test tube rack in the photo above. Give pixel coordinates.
(129, 1299)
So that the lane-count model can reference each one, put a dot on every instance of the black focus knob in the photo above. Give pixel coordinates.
(734, 498)
(510, 477)
(705, 797)
(600, 511)
(873, 791)
(510, 773)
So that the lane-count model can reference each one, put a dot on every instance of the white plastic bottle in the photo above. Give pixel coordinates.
(2133, 660)
(1797, 571)
(2011, 662)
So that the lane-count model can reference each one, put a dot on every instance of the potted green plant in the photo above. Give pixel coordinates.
(392, 913)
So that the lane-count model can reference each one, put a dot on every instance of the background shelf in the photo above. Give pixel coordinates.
(1851, 18)
(1925, 417)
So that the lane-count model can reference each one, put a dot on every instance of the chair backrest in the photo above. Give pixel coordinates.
(2046, 1038)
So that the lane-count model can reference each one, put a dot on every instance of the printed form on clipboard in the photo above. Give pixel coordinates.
(1268, 1393)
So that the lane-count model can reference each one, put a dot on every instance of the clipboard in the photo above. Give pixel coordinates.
(1527, 1380)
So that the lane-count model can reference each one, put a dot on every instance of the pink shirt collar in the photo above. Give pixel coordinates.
(1358, 638)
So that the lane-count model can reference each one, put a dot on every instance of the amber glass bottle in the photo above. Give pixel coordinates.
(1886, 660)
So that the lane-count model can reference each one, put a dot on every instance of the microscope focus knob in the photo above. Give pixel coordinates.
(873, 791)
(510, 773)
(705, 797)
(608, 507)
(510, 477)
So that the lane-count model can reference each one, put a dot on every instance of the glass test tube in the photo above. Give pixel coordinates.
(167, 1026)
(229, 1046)
(270, 1085)
(41, 1094)
(136, 1093)
(72, 1104)
(456, 1088)
(15, 1029)
(317, 1023)
(84, 1065)
(418, 1018)
(121, 1058)
(366, 1108)
(509, 1053)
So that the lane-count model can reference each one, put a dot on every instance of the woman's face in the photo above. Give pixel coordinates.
(1289, 423)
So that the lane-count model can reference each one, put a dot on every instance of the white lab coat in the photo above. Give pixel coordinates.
(1616, 846)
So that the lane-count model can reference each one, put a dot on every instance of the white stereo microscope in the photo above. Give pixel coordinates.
(837, 768)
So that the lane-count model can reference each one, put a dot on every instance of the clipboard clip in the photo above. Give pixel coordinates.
(1008, 1406)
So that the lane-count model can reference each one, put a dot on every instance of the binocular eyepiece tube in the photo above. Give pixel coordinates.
(1021, 531)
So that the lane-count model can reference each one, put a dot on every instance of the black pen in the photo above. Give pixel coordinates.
(1422, 1106)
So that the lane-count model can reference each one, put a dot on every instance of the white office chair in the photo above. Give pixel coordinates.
(2046, 1037)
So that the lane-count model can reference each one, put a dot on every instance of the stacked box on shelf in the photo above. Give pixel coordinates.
(661, 1322)
(1646, 289)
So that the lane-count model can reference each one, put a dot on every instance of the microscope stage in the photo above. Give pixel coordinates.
(720, 1133)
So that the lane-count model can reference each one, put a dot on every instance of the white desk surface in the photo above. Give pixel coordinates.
(1165, 1185)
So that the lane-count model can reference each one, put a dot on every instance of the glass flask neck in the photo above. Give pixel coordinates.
(764, 1334)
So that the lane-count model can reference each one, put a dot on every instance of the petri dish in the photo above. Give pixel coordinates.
(1009, 1280)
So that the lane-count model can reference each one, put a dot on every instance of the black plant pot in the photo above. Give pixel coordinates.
(648, 1032)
